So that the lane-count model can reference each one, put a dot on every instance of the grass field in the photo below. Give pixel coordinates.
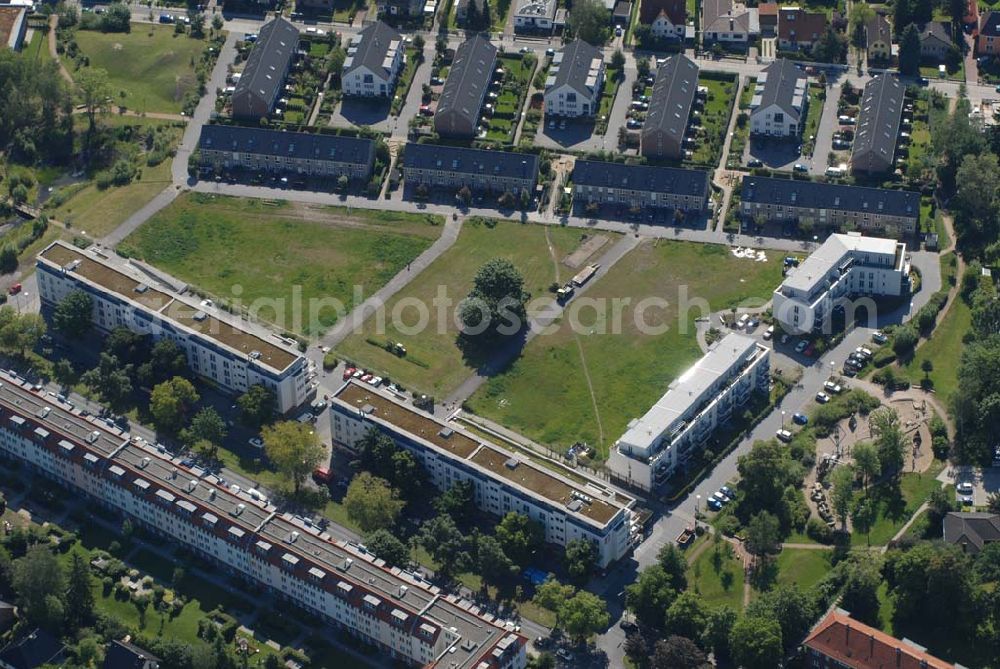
(275, 251)
(717, 580)
(895, 511)
(96, 212)
(944, 350)
(801, 567)
(813, 114)
(612, 80)
(434, 364)
(546, 394)
(38, 47)
(154, 67)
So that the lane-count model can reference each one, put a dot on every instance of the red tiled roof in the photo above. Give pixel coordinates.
(676, 11)
(858, 646)
(767, 9)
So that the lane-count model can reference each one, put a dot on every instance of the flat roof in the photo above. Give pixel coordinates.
(686, 390)
(170, 307)
(824, 259)
(232, 512)
(463, 445)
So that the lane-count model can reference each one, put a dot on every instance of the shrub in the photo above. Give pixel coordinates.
(819, 531)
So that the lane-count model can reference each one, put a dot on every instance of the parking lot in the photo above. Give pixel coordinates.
(974, 483)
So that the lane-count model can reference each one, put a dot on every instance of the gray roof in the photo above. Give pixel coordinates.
(640, 177)
(536, 9)
(937, 30)
(468, 78)
(506, 164)
(269, 60)
(716, 15)
(878, 28)
(300, 145)
(878, 123)
(783, 85)
(989, 24)
(977, 529)
(373, 47)
(673, 95)
(813, 194)
(575, 67)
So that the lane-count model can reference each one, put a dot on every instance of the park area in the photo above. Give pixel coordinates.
(578, 384)
(154, 67)
(277, 252)
(434, 363)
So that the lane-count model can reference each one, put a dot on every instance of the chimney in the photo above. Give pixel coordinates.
(899, 656)
(847, 634)
(871, 645)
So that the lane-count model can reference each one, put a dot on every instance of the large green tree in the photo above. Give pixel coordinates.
(520, 537)
(74, 314)
(372, 503)
(386, 546)
(495, 305)
(909, 49)
(589, 21)
(110, 379)
(756, 642)
(294, 449)
(584, 614)
(40, 583)
(79, 594)
(446, 544)
(170, 402)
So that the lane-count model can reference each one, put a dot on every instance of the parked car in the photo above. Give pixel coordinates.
(832, 387)
(769, 332)
(966, 500)
(822, 397)
(15, 289)
(728, 492)
(755, 162)
(846, 120)
(784, 435)
(799, 167)
(879, 338)
(801, 346)
(564, 655)
(714, 504)
(257, 442)
(800, 418)
(167, 18)
(964, 488)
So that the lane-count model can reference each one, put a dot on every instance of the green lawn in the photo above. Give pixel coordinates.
(813, 114)
(152, 65)
(714, 119)
(546, 394)
(286, 255)
(895, 511)
(38, 47)
(612, 80)
(507, 112)
(434, 364)
(802, 567)
(96, 212)
(944, 350)
(717, 580)
(932, 72)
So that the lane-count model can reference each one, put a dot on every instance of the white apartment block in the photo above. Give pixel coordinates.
(218, 347)
(375, 57)
(576, 77)
(342, 584)
(701, 399)
(503, 482)
(845, 266)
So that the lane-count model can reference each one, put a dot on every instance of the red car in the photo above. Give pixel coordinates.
(348, 373)
(322, 475)
(15, 289)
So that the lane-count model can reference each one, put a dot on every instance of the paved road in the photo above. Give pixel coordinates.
(824, 133)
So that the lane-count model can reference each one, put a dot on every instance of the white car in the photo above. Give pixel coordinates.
(769, 332)
(801, 346)
(964, 488)
(257, 442)
(832, 387)
(784, 435)
(822, 397)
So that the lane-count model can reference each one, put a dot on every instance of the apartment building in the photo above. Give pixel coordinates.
(468, 80)
(576, 76)
(374, 59)
(697, 402)
(799, 30)
(892, 213)
(878, 125)
(503, 481)
(878, 38)
(840, 641)
(342, 585)
(988, 39)
(666, 125)
(725, 22)
(843, 267)
(263, 77)
(222, 148)
(640, 186)
(535, 16)
(438, 166)
(219, 347)
(778, 105)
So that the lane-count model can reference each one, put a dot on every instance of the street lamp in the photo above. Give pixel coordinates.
(697, 504)
(782, 419)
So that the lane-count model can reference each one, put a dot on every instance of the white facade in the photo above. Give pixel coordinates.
(701, 399)
(573, 87)
(362, 82)
(535, 15)
(341, 584)
(371, 70)
(845, 266)
(569, 102)
(773, 121)
(662, 28)
(501, 481)
(217, 347)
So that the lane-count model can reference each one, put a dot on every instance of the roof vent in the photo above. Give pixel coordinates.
(293, 537)
(144, 463)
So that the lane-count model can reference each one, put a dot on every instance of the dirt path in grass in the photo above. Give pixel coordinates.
(579, 345)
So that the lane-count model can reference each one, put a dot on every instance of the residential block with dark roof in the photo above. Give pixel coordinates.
(674, 90)
(778, 106)
(123, 655)
(799, 29)
(935, 40)
(988, 39)
(876, 210)
(878, 37)
(374, 58)
(222, 148)
(666, 19)
(34, 650)
(839, 641)
(971, 530)
(596, 182)
(468, 80)
(452, 167)
(878, 125)
(263, 77)
(576, 77)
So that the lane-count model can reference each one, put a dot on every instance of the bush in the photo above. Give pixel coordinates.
(883, 356)
(819, 531)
